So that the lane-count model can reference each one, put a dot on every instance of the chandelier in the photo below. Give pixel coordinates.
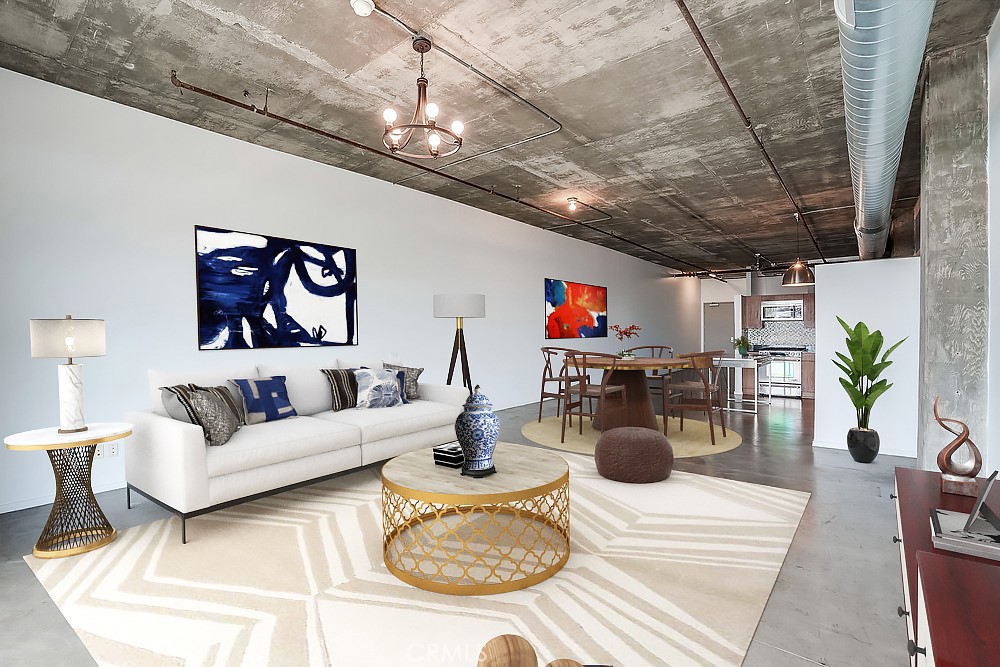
(423, 129)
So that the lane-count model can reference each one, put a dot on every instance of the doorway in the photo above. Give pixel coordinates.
(720, 325)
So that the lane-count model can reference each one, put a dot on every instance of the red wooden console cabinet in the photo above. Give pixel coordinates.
(951, 601)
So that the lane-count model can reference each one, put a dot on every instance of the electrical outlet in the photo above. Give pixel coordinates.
(112, 449)
(99, 451)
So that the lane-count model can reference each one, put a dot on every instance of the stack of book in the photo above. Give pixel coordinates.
(975, 534)
(449, 455)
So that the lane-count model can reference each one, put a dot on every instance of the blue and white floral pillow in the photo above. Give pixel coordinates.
(377, 388)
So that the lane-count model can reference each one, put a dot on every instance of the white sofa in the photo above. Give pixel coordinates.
(169, 462)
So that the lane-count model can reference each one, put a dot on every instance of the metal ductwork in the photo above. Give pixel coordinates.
(881, 48)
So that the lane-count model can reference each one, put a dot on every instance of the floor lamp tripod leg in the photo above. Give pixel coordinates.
(466, 375)
(454, 354)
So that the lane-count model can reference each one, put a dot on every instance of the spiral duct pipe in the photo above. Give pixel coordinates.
(881, 48)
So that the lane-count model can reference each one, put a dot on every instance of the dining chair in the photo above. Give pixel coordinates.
(579, 389)
(701, 393)
(554, 358)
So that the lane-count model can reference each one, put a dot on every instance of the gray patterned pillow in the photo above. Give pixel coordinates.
(214, 416)
(410, 381)
(377, 388)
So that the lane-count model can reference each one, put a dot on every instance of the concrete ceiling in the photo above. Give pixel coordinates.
(649, 136)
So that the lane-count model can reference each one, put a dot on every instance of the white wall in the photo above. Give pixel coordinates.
(98, 203)
(990, 446)
(885, 295)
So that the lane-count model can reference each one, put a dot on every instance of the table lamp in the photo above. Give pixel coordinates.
(460, 306)
(68, 338)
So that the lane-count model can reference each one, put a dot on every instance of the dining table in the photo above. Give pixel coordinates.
(631, 373)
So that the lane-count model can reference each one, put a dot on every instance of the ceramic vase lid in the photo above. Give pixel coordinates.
(478, 400)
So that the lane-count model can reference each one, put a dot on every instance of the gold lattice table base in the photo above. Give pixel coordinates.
(76, 523)
(462, 542)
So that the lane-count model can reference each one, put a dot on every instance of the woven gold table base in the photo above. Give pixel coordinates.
(476, 549)
(76, 523)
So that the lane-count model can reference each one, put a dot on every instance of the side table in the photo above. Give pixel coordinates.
(76, 523)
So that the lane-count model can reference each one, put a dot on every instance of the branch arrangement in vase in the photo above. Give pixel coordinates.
(623, 332)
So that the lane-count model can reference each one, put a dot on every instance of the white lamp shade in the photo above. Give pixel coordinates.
(67, 338)
(459, 305)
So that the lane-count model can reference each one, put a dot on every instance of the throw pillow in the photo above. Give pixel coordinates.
(231, 397)
(412, 374)
(377, 389)
(401, 380)
(265, 399)
(344, 387)
(215, 418)
(177, 404)
(205, 408)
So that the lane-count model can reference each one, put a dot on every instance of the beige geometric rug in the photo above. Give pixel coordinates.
(694, 440)
(675, 573)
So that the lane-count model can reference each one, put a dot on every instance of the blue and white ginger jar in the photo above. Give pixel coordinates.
(477, 429)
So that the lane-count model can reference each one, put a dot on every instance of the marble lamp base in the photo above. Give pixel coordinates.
(71, 399)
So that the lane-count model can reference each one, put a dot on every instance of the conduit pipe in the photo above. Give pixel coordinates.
(881, 49)
(368, 149)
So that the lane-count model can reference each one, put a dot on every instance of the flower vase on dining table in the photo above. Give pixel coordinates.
(625, 354)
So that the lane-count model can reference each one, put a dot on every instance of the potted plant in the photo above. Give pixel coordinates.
(862, 368)
(621, 333)
(742, 344)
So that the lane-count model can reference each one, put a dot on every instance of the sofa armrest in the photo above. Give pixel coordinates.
(166, 458)
(444, 393)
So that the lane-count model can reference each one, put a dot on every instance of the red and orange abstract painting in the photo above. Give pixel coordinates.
(575, 310)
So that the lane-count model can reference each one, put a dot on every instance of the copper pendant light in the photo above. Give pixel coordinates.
(799, 273)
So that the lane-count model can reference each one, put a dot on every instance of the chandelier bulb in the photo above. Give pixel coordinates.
(458, 127)
(389, 115)
(434, 139)
(572, 203)
(362, 7)
(432, 111)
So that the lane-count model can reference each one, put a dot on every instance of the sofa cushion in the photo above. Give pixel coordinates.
(343, 388)
(265, 399)
(272, 442)
(395, 421)
(308, 388)
(411, 377)
(377, 389)
(204, 377)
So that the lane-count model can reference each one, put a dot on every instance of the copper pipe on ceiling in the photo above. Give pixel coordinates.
(747, 123)
(587, 224)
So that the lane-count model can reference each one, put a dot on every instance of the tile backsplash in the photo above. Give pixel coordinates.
(782, 333)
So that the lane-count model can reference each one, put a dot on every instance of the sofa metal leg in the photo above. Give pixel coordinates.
(128, 497)
(184, 539)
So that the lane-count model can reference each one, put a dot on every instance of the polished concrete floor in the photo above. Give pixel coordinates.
(834, 602)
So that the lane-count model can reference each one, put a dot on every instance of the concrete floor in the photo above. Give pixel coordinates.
(834, 602)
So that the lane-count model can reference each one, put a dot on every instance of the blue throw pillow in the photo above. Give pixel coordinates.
(265, 399)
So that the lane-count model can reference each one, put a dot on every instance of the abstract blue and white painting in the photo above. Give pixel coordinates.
(259, 291)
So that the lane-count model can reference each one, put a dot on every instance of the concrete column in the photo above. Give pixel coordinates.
(954, 246)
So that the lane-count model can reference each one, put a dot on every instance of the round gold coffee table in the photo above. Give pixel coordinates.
(458, 535)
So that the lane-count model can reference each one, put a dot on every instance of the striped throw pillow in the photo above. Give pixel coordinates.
(344, 387)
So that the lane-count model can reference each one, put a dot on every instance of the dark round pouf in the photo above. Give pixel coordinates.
(634, 455)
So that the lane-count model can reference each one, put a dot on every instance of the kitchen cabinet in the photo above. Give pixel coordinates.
(749, 382)
(751, 312)
(809, 311)
(808, 374)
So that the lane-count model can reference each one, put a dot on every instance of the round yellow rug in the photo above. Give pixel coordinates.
(694, 440)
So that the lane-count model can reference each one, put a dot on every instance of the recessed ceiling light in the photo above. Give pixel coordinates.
(362, 7)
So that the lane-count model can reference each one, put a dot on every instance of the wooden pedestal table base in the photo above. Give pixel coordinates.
(446, 533)
(76, 523)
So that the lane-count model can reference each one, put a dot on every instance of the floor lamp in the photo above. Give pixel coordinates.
(460, 306)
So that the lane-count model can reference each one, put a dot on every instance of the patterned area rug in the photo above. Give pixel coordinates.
(674, 573)
(694, 440)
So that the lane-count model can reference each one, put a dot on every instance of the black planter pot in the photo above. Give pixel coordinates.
(863, 444)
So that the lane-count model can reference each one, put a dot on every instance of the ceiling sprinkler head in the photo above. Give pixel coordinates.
(362, 7)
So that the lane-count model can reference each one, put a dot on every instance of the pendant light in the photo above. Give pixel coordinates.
(799, 273)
